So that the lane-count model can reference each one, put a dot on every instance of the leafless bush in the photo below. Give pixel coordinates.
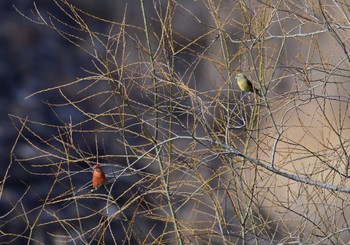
(189, 158)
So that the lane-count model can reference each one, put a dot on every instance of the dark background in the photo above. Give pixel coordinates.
(34, 57)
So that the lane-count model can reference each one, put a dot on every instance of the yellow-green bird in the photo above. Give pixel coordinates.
(245, 85)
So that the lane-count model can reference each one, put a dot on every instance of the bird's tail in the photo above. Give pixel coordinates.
(257, 91)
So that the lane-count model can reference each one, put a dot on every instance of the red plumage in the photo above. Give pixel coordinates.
(98, 176)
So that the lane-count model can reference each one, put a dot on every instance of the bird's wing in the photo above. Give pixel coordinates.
(249, 83)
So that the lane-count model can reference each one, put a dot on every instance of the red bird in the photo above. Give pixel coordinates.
(98, 176)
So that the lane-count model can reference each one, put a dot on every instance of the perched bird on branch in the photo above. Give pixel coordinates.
(98, 177)
(245, 85)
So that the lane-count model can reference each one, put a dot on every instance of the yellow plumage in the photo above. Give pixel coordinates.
(244, 84)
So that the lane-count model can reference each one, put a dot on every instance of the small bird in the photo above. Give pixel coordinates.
(98, 176)
(245, 85)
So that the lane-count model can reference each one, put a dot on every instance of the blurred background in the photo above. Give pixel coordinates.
(35, 58)
(79, 86)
